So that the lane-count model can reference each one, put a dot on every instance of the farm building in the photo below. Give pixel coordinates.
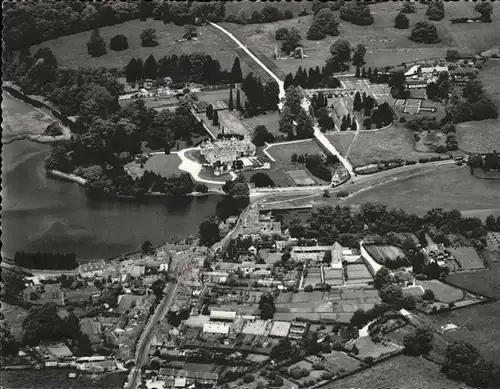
(227, 316)
(280, 329)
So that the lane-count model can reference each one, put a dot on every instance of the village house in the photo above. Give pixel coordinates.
(92, 269)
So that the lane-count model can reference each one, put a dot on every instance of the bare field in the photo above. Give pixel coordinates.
(479, 136)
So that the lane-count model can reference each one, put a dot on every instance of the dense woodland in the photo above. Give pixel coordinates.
(55, 261)
(197, 67)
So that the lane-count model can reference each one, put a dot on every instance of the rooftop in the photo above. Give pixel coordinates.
(216, 328)
(280, 328)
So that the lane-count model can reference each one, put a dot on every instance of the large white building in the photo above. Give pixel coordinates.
(226, 151)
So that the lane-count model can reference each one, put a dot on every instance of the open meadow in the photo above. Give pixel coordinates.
(391, 143)
(341, 140)
(445, 186)
(483, 136)
(402, 372)
(478, 324)
(72, 50)
(379, 38)
(164, 165)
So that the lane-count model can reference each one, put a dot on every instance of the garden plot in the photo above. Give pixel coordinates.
(384, 253)
(467, 258)
(301, 177)
(493, 240)
(443, 292)
(338, 362)
(357, 274)
(333, 276)
(368, 348)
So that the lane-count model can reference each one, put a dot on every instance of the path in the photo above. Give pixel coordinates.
(259, 62)
(194, 168)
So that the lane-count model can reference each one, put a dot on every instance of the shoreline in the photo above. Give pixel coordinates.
(83, 182)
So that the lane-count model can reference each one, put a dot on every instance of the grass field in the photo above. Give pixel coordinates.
(467, 257)
(338, 361)
(164, 165)
(479, 136)
(367, 348)
(391, 143)
(72, 50)
(442, 292)
(341, 140)
(270, 120)
(385, 44)
(446, 187)
(21, 119)
(282, 153)
(402, 372)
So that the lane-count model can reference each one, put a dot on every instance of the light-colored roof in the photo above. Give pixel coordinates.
(412, 70)
(258, 327)
(311, 248)
(280, 328)
(414, 290)
(222, 315)
(197, 321)
(216, 328)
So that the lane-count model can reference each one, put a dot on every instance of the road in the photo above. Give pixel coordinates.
(142, 350)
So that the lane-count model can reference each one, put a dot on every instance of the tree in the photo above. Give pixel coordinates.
(485, 9)
(382, 278)
(189, 32)
(157, 287)
(308, 288)
(357, 103)
(419, 342)
(8, 344)
(432, 91)
(281, 33)
(262, 180)
(209, 111)
(291, 40)
(340, 52)
(282, 350)
(358, 56)
(209, 231)
(424, 32)
(401, 21)
(354, 126)
(118, 43)
(266, 307)
(288, 80)
(43, 324)
(148, 38)
(408, 8)
(215, 118)
(236, 74)
(147, 247)
(230, 105)
(356, 13)
(261, 135)
(326, 22)
(96, 46)
(428, 295)
(150, 69)
(435, 10)
(238, 100)
(315, 33)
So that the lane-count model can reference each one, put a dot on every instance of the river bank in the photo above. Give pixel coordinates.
(31, 123)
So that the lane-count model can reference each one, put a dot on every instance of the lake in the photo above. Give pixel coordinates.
(45, 214)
